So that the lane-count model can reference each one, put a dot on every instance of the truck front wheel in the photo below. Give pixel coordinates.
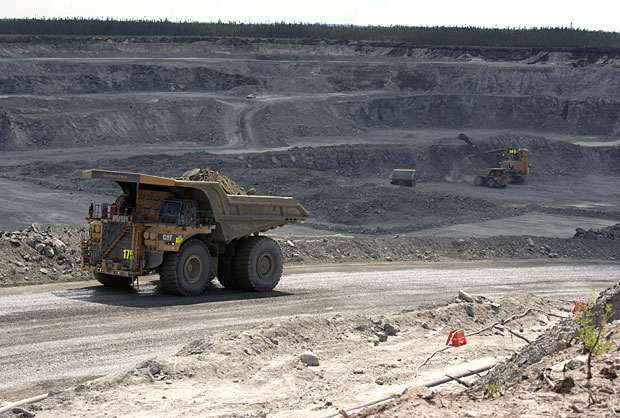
(258, 264)
(188, 272)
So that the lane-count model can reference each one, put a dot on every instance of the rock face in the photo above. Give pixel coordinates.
(564, 97)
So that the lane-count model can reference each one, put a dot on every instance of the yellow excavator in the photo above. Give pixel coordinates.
(506, 165)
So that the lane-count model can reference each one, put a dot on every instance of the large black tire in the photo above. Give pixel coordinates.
(225, 273)
(491, 182)
(479, 181)
(188, 272)
(112, 280)
(258, 264)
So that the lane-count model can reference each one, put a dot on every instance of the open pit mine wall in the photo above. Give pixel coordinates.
(59, 103)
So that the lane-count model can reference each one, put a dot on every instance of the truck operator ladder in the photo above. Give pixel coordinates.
(111, 246)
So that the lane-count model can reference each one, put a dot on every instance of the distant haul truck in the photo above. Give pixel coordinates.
(403, 177)
(187, 231)
(492, 177)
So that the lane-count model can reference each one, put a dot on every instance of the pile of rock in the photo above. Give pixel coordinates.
(610, 232)
(206, 174)
(36, 255)
(556, 340)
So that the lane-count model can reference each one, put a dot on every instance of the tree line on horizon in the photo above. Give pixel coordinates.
(436, 35)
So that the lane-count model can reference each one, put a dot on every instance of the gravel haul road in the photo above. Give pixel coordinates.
(57, 335)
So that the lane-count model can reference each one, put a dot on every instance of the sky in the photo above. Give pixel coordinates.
(591, 14)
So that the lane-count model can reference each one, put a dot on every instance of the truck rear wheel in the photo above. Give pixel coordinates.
(188, 272)
(112, 280)
(258, 264)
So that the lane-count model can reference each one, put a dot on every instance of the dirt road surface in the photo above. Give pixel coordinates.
(35, 203)
(61, 334)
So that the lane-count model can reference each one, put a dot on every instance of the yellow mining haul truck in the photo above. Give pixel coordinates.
(187, 231)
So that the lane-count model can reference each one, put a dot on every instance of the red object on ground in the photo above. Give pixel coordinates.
(456, 338)
(579, 306)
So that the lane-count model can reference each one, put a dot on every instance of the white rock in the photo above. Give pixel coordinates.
(527, 396)
(465, 296)
(310, 359)
(58, 244)
(49, 251)
(191, 173)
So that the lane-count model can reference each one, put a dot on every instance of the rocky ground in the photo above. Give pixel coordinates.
(39, 255)
(317, 367)
(346, 188)
(547, 377)
(311, 366)
(611, 232)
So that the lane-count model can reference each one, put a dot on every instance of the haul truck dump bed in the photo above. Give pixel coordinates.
(187, 231)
